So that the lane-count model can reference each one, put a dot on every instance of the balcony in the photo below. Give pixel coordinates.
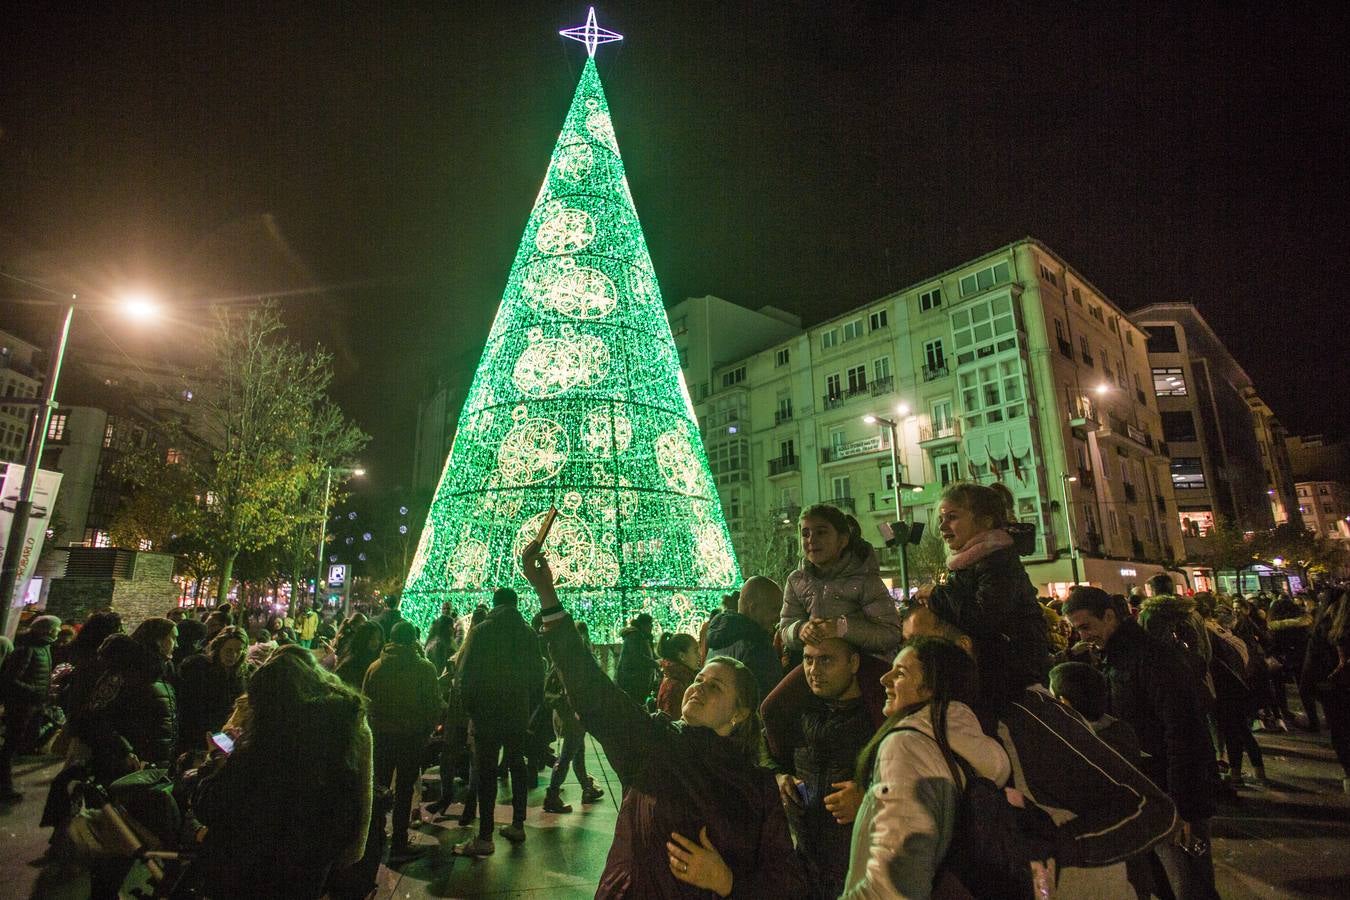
(783, 465)
(856, 390)
(939, 435)
(832, 401)
(883, 386)
(782, 415)
(847, 504)
(931, 373)
(874, 444)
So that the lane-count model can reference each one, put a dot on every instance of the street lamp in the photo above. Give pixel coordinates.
(37, 440)
(323, 523)
(1064, 481)
(902, 410)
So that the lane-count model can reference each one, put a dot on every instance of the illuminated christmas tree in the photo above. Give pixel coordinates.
(578, 402)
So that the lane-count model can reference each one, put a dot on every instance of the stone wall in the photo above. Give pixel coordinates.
(150, 591)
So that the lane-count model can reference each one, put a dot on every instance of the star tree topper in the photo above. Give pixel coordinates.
(591, 34)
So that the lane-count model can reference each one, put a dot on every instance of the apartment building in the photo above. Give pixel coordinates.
(1322, 472)
(20, 376)
(1011, 367)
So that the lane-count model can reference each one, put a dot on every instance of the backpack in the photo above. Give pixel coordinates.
(994, 843)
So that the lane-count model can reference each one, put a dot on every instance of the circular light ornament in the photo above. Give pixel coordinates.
(553, 366)
(577, 291)
(678, 464)
(534, 450)
(574, 161)
(565, 230)
(602, 435)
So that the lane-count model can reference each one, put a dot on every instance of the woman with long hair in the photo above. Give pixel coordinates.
(700, 811)
(837, 592)
(291, 803)
(365, 647)
(208, 684)
(908, 812)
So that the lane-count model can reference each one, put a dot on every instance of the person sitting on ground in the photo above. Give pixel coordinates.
(275, 830)
(838, 592)
(404, 705)
(700, 811)
(208, 684)
(908, 813)
(679, 661)
(746, 632)
(820, 795)
(989, 596)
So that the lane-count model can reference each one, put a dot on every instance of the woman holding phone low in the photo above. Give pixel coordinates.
(701, 814)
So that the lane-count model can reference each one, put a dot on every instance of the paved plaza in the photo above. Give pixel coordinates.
(1288, 841)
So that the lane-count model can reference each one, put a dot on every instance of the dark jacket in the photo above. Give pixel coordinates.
(683, 778)
(133, 709)
(352, 670)
(675, 678)
(833, 734)
(206, 695)
(501, 674)
(27, 673)
(636, 671)
(1153, 689)
(995, 603)
(740, 637)
(404, 694)
(388, 619)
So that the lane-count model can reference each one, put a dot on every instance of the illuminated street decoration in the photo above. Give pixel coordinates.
(578, 402)
(591, 34)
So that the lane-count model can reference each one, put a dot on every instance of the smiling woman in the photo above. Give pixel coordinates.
(699, 810)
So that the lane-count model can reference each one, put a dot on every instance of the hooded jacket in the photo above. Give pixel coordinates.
(27, 672)
(1156, 692)
(741, 637)
(636, 669)
(402, 688)
(849, 588)
(994, 602)
(683, 778)
(908, 812)
(133, 709)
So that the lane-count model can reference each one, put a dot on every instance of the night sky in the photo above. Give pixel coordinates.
(379, 161)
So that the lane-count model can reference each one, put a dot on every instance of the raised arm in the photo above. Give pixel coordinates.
(628, 734)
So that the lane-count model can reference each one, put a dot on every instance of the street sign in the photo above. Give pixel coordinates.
(337, 576)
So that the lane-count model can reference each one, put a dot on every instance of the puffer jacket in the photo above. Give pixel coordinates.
(851, 588)
(994, 602)
(133, 710)
(908, 812)
(206, 695)
(636, 670)
(741, 637)
(27, 672)
(403, 691)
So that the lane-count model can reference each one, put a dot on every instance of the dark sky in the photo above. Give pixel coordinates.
(814, 155)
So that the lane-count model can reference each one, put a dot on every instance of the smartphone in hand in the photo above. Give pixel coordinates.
(546, 526)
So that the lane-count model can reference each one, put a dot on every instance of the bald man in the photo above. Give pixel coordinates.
(747, 633)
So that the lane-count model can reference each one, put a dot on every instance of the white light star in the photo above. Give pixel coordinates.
(591, 34)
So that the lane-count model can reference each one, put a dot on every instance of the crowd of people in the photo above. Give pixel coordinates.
(815, 739)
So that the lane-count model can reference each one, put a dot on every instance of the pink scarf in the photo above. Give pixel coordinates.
(978, 547)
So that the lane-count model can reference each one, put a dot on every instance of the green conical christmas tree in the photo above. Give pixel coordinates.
(578, 402)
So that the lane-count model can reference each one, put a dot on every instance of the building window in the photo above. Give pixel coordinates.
(173, 457)
(145, 545)
(1303, 492)
(1049, 276)
(1129, 337)
(1077, 296)
(735, 376)
(934, 362)
(829, 339)
(1326, 507)
(1111, 324)
(1162, 339)
(983, 329)
(1096, 313)
(784, 411)
(1084, 350)
(56, 429)
(881, 368)
(985, 278)
(1187, 473)
(842, 486)
(948, 470)
(787, 449)
(781, 357)
(930, 299)
(992, 394)
(853, 329)
(1114, 521)
(942, 418)
(857, 379)
(1178, 427)
(877, 320)
(1169, 382)
(108, 436)
(832, 387)
(729, 461)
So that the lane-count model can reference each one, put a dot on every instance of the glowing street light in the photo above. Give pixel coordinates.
(1102, 388)
(140, 306)
(1065, 480)
(357, 471)
(894, 426)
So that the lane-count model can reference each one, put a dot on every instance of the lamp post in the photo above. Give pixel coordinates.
(1064, 480)
(141, 308)
(323, 523)
(894, 426)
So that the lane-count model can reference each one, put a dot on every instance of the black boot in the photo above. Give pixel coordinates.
(553, 802)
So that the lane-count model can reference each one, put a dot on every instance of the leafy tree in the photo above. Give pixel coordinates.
(928, 559)
(769, 547)
(1227, 548)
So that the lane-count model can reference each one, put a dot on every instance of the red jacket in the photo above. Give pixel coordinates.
(675, 677)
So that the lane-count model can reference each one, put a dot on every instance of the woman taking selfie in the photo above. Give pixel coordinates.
(700, 812)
